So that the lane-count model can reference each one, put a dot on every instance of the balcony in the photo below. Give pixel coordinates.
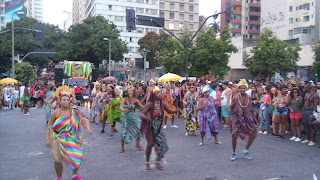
(239, 3)
(251, 31)
(236, 11)
(257, 23)
(235, 21)
(235, 30)
(254, 4)
(251, 13)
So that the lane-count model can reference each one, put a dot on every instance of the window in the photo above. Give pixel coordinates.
(153, 12)
(171, 15)
(190, 17)
(172, 6)
(191, 0)
(297, 8)
(191, 27)
(120, 28)
(140, 30)
(290, 32)
(162, 5)
(290, 20)
(110, 7)
(246, 27)
(161, 14)
(181, 7)
(118, 18)
(300, 7)
(254, 18)
(306, 6)
(191, 8)
(139, 1)
(147, 11)
(181, 26)
(290, 8)
(305, 18)
(236, 16)
(181, 17)
(171, 25)
(306, 30)
(139, 10)
(147, 1)
(312, 3)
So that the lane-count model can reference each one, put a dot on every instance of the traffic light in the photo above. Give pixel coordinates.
(40, 32)
(228, 11)
(316, 74)
(131, 19)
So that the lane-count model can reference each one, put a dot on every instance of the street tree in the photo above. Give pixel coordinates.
(316, 63)
(211, 55)
(270, 55)
(150, 44)
(24, 72)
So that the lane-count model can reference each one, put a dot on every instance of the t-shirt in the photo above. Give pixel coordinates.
(31, 91)
(22, 90)
(41, 93)
(77, 90)
(213, 94)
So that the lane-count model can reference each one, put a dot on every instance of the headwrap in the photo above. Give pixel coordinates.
(243, 82)
(156, 89)
(205, 89)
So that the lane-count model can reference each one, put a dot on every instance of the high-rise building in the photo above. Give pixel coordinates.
(2, 14)
(11, 9)
(78, 10)
(180, 14)
(68, 22)
(245, 18)
(35, 9)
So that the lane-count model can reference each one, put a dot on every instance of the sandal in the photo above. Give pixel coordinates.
(158, 165)
(121, 150)
(148, 169)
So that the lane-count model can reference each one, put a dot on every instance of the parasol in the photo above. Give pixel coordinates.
(169, 77)
(8, 81)
(110, 78)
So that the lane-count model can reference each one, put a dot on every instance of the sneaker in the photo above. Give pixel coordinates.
(77, 177)
(311, 143)
(265, 132)
(233, 156)
(96, 124)
(281, 137)
(297, 140)
(305, 141)
(287, 132)
(174, 126)
(218, 142)
(246, 155)
(260, 132)
(26, 114)
(102, 131)
(200, 144)
(293, 138)
(165, 127)
(111, 137)
(115, 130)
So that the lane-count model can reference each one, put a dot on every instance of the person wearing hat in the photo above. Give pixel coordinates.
(208, 117)
(243, 123)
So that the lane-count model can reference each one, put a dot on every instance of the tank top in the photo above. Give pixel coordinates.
(224, 100)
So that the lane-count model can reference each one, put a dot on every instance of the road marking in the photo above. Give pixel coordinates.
(272, 179)
(36, 153)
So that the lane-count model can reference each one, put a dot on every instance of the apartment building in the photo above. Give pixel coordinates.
(35, 9)
(78, 11)
(180, 14)
(2, 14)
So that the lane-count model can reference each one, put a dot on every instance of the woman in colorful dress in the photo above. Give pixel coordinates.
(152, 119)
(208, 117)
(64, 134)
(94, 92)
(99, 102)
(47, 100)
(244, 123)
(190, 102)
(168, 98)
(130, 123)
(114, 112)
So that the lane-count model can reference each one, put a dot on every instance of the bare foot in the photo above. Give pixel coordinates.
(139, 147)
(148, 169)
(121, 150)
(159, 166)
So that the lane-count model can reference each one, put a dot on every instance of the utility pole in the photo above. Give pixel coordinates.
(144, 64)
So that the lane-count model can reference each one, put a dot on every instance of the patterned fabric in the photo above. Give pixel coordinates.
(100, 105)
(47, 108)
(93, 111)
(114, 114)
(208, 118)
(169, 102)
(67, 133)
(243, 121)
(190, 114)
(160, 141)
(130, 125)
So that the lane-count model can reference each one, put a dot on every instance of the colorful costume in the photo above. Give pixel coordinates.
(243, 121)
(114, 114)
(47, 107)
(67, 137)
(190, 114)
(130, 125)
(208, 118)
(169, 102)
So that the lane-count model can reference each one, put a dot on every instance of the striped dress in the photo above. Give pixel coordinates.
(67, 133)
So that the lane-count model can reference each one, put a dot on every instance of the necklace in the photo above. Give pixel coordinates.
(241, 104)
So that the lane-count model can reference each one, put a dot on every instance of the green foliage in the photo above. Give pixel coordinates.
(24, 72)
(270, 55)
(316, 63)
(211, 55)
(151, 44)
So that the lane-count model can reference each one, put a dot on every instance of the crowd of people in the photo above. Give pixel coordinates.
(247, 109)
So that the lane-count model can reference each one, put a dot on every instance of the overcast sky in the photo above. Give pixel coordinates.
(55, 11)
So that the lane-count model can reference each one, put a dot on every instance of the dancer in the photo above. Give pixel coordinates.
(190, 102)
(243, 122)
(47, 100)
(104, 114)
(208, 118)
(152, 118)
(99, 102)
(168, 98)
(94, 92)
(114, 112)
(64, 134)
(130, 123)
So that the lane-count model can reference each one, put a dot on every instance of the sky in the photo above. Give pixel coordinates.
(55, 11)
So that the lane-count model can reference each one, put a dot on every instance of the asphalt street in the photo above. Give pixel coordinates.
(24, 156)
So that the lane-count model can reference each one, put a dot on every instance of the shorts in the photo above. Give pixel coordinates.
(85, 97)
(295, 115)
(285, 111)
(306, 117)
(224, 111)
(78, 96)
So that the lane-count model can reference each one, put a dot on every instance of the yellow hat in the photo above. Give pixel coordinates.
(243, 82)
(156, 89)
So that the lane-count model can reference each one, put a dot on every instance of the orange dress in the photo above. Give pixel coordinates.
(169, 102)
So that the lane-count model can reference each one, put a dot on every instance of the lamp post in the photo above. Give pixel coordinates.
(106, 39)
(144, 63)
(12, 43)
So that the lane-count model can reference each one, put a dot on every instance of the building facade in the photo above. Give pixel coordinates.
(78, 11)
(35, 9)
(180, 14)
(2, 14)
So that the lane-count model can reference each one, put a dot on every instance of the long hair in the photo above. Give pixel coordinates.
(294, 89)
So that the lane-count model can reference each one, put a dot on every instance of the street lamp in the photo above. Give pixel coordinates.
(106, 39)
(144, 63)
(12, 39)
